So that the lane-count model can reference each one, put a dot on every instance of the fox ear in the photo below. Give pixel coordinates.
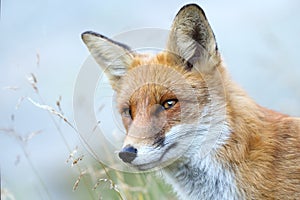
(113, 57)
(192, 40)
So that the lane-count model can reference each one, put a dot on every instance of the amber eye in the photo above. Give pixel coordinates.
(169, 103)
(126, 112)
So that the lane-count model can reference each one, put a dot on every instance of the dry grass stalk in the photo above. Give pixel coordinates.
(52, 111)
(75, 186)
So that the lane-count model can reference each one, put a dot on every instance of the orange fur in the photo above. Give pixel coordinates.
(264, 149)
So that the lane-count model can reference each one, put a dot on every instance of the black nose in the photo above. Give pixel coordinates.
(128, 154)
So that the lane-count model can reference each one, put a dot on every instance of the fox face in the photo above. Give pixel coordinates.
(171, 100)
(162, 100)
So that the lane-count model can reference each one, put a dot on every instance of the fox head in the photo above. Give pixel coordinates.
(170, 102)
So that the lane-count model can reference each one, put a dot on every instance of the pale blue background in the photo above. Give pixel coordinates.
(259, 41)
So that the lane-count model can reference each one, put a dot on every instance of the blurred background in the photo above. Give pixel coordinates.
(41, 54)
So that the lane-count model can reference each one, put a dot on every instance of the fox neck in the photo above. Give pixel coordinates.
(207, 178)
(200, 174)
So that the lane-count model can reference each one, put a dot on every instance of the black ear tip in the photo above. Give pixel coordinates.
(86, 33)
(192, 6)
(83, 35)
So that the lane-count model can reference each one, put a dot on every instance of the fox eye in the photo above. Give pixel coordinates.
(126, 112)
(169, 103)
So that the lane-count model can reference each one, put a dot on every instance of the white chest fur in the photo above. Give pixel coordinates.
(201, 179)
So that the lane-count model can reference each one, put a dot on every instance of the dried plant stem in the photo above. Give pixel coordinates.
(33, 81)
(111, 181)
(51, 111)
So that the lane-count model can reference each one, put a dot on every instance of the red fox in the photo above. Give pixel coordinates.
(183, 113)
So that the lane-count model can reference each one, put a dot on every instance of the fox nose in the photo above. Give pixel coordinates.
(128, 154)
